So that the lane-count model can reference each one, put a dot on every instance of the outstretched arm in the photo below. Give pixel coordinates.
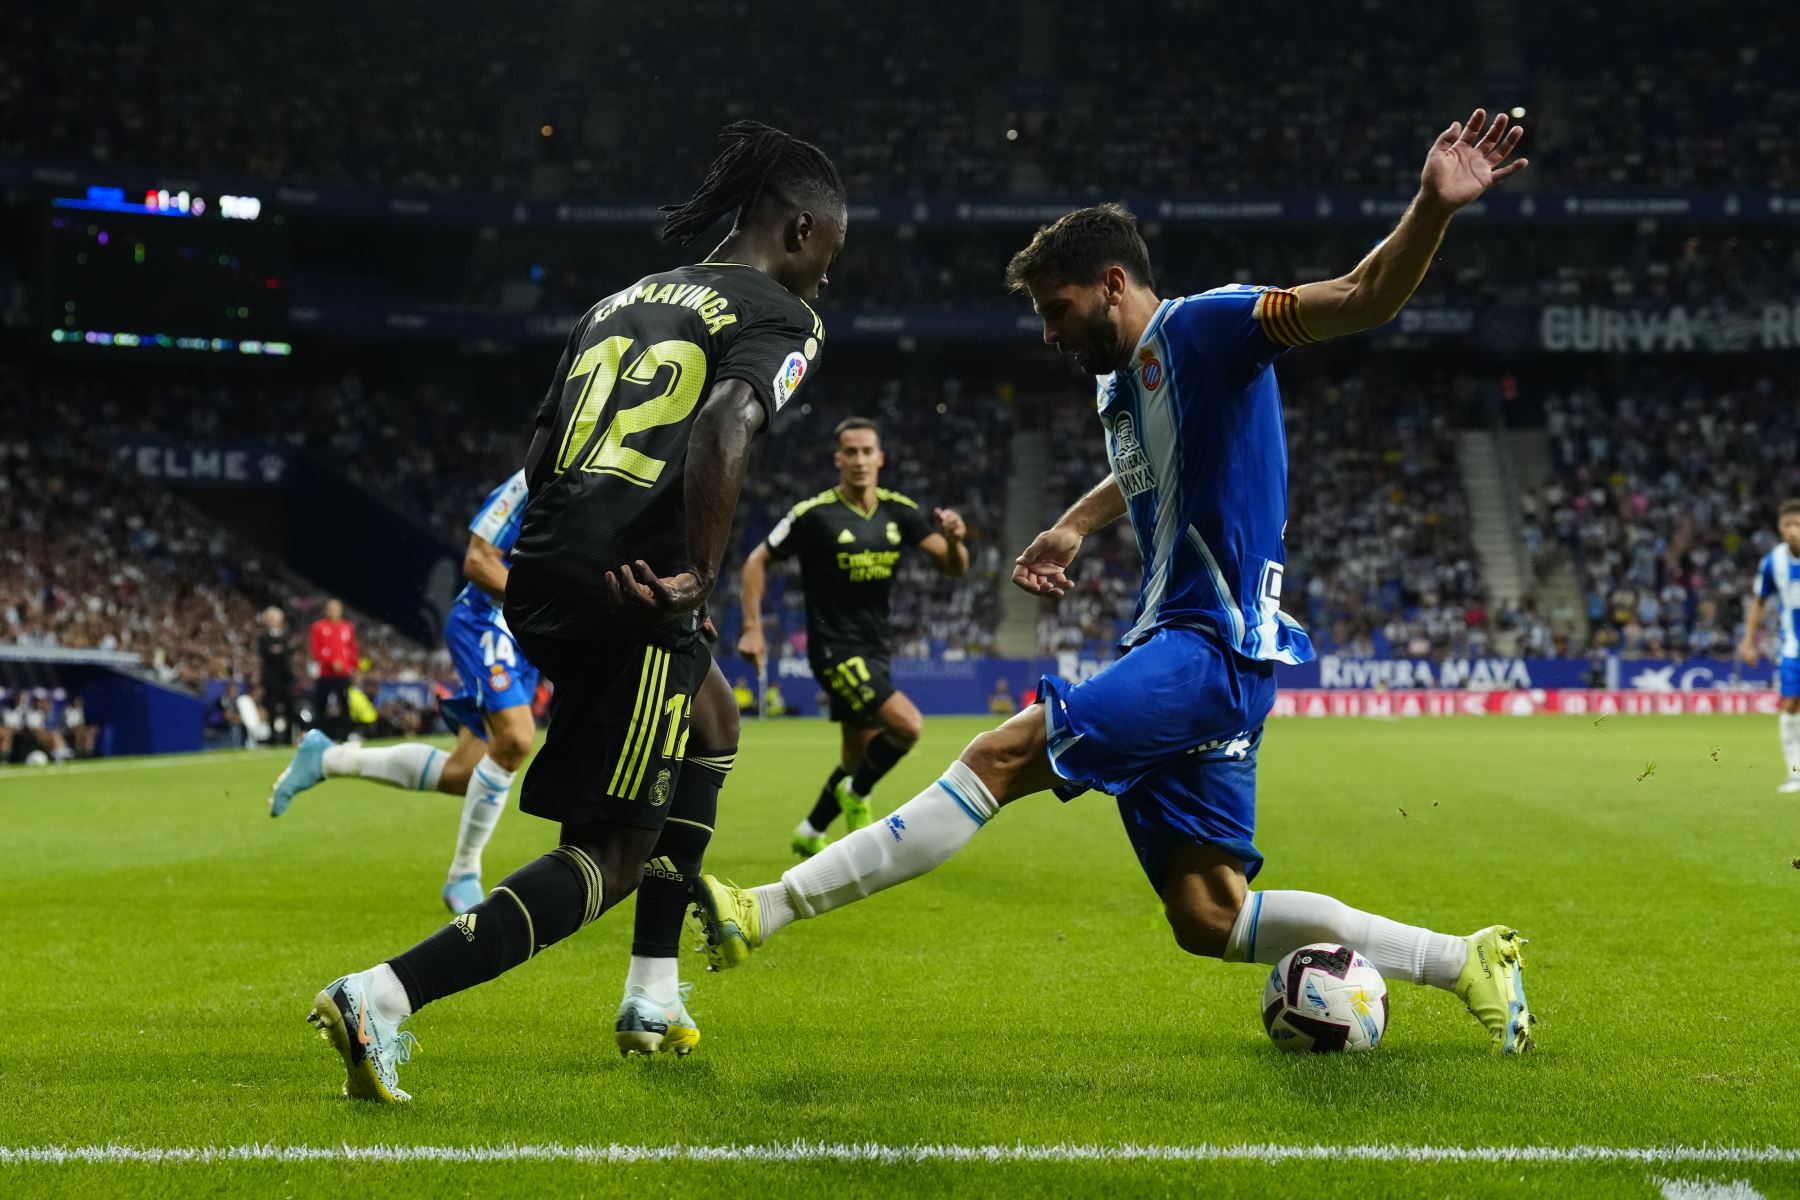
(718, 452)
(1041, 569)
(1464, 163)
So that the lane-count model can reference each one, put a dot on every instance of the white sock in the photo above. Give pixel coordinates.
(386, 993)
(483, 803)
(1273, 923)
(1790, 742)
(774, 906)
(412, 766)
(914, 838)
(805, 829)
(658, 977)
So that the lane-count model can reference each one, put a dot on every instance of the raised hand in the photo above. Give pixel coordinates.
(1468, 159)
(950, 523)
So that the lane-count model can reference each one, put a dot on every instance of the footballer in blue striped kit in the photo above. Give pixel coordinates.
(1191, 413)
(491, 716)
(1778, 588)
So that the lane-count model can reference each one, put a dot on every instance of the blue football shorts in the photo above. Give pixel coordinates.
(495, 674)
(1171, 730)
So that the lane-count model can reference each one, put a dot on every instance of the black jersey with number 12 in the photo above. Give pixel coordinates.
(609, 487)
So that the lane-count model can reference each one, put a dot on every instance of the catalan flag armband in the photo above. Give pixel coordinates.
(1278, 312)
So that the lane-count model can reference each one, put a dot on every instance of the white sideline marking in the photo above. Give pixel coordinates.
(1700, 1189)
(200, 758)
(875, 1152)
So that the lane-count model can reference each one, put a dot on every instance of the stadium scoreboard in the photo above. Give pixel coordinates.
(154, 270)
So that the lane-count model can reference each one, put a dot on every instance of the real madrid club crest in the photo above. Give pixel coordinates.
(893, 533)
(1151, 372)
(659, 791)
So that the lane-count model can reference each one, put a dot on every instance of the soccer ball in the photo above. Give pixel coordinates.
(1325, 999)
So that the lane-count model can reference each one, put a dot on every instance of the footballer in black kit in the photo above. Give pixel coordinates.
(849, 541)
(611, 486)
(634, 472)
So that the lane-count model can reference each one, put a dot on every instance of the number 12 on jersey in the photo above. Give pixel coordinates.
(685, 364)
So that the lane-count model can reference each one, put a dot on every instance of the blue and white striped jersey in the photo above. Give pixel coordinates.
(497, 523)
(1778, 578)
(1196, 440)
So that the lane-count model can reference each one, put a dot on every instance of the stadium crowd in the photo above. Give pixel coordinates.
(92, 557)
(560, 104)
(1664, 493)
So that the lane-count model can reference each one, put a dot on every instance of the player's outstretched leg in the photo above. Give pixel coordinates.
(1212, 914)
(412, 765)
(530, 910)
(510, 732)
(1485, 970)
(653, 1015)
(926, 831)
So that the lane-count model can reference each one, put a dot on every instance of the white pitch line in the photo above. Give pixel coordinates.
(203, 758)
(875, 1152)
(1700, 1189)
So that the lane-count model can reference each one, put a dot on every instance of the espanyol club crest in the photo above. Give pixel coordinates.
(498, 679)
(1151, 374)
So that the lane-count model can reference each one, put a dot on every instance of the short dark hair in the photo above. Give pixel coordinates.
(1788, 508)
(848, 423)
(1078, 247)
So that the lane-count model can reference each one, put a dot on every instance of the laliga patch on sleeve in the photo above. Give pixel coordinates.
(793, 370)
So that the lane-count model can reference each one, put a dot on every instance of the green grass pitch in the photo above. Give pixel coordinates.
(161, 939)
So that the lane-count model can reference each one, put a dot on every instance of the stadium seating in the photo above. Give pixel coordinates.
(1664, 492)
(546, 106)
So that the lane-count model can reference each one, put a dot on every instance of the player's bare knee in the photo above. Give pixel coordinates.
(509, 748)
(906, 728)
(1201, 925)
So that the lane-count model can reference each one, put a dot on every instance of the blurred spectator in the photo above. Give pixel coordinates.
(332, 645)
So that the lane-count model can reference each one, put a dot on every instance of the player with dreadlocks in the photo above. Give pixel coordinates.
(633, 474)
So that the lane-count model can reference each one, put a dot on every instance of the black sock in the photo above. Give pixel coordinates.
(535, 907)
(674, 864)
(877, 761)
(826, 810)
